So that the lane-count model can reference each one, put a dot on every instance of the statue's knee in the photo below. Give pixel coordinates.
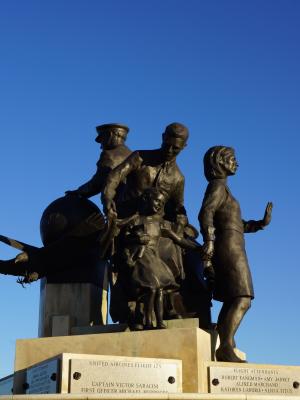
(246, 303)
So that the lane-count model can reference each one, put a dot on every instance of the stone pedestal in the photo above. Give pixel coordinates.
(67, 305)
(191, 345)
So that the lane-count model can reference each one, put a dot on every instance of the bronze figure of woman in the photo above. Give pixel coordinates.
(223, 231)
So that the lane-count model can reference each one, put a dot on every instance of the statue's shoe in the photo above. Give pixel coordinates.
(136, 327)
(148, 327)
(172, 314)
(161, 325)
(227, 354)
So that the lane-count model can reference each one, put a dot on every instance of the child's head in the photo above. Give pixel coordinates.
(153, 201)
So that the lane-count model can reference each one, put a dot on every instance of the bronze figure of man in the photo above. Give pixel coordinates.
(146, 169)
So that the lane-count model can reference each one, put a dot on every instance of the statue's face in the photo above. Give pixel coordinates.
(171, 147)
(230, 163)
(112, 139)
(157, 202)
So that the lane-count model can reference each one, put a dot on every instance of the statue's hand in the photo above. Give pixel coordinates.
(110, 209)
(144, 239)
(112, 215)
(209, 274)
(268, 214)
(208, 250)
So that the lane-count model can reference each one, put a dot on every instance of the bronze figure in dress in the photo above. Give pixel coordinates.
(223, 229)
(143, 272)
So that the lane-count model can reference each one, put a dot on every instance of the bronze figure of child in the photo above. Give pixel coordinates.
(150, 276)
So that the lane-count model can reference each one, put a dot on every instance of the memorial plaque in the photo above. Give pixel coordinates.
(254, 380)
(125, 375)
(42, 378)
(6, 385)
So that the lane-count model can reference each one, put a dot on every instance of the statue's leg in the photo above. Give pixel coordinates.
(138, 316)
(170, 308)
(149, 307)
(159, 309)
(229, 320)
(222, 315)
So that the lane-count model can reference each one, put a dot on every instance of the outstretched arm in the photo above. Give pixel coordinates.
(116, 176)
(253, 226)
(94, 185)
(182, 242)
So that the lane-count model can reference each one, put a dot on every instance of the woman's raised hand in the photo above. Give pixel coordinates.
(268, 214)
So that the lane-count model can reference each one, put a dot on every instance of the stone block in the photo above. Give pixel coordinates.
(61, 325)
(111, 328)
(191, 345)
(83, 303)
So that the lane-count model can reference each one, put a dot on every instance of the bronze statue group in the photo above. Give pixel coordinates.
(157, 268)
(146, 188)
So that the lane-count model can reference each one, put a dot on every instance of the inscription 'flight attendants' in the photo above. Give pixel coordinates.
(255, 380)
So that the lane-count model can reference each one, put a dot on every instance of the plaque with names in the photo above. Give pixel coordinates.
(42, 378)
(6, 385)
(255, 380)
(125, 375)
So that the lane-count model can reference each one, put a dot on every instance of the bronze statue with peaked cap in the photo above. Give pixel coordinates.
(223, 231)
(112, 138)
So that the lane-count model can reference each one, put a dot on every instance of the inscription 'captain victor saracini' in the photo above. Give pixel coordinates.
(122, 387)
(130, 385)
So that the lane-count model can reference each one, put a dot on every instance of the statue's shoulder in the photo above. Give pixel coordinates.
(112, 158)
(122, 150)
(149, 157)
(177, 173)
(216, 187)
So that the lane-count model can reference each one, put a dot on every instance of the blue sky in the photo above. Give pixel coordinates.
(229, 70)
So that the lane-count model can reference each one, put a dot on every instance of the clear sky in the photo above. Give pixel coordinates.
(229, 70)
